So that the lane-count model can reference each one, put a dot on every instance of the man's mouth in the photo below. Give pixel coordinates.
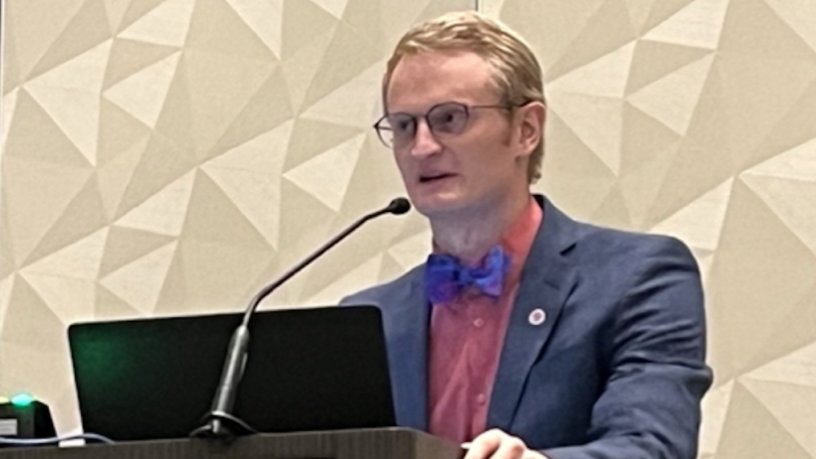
(433, 177)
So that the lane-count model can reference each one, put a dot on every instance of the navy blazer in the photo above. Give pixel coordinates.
(616, 369)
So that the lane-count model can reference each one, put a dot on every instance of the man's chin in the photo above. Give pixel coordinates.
(437, 206)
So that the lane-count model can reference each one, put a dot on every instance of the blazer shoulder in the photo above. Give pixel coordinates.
(597, 243)
(616, 245)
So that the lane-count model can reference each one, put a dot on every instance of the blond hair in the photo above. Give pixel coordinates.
(517, 74)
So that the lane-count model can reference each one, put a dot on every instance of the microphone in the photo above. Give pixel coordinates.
(219, 421)
(398, 206)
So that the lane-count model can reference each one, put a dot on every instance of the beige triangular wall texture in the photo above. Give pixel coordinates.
(164, 157)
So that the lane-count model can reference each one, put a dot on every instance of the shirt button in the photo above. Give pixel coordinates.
(480, 399)
(478, 323)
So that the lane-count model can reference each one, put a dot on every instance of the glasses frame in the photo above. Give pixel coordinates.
(379, 127)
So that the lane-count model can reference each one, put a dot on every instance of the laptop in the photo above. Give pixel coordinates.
(308, 369)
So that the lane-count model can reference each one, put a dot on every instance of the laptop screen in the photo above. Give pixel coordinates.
(308, 369)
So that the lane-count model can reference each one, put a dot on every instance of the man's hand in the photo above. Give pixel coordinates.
(496, 444)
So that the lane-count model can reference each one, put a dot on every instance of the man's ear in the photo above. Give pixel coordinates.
(531, 126)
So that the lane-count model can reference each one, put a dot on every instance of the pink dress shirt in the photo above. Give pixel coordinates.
(466, 339)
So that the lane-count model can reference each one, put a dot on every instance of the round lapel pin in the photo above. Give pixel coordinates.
(537, 317)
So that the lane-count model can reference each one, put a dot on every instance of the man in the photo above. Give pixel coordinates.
(525, 333)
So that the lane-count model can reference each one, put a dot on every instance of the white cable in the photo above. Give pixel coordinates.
(54, 440)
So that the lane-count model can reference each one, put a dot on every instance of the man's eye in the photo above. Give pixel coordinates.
(405, 125)
(449, 120)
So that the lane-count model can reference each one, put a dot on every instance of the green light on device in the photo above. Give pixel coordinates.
(22, 400)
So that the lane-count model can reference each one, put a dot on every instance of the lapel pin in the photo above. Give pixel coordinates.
(537, 317)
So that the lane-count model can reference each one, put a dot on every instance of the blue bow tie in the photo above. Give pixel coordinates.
(445, 276)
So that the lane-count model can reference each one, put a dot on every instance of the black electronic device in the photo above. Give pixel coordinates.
(29, 419)
(310, 369)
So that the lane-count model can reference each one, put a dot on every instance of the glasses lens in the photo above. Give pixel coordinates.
(448, 118)
(401, 128)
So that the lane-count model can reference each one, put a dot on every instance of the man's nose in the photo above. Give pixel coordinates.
(425, 144)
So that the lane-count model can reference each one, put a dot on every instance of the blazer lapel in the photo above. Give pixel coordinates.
(547, 280)
(407, 329)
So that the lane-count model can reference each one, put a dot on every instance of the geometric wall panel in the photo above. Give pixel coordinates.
(695, 118)
(166, 157)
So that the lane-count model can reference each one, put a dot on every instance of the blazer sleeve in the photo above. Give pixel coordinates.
(650, 406)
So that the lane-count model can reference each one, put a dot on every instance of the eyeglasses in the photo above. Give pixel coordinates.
(398, 130)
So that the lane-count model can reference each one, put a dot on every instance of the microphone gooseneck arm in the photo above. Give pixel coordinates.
(397, 206)
(220, 423)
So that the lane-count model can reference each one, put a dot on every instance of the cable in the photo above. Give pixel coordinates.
(54, 440)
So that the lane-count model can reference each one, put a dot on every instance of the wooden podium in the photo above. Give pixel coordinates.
(387, 443)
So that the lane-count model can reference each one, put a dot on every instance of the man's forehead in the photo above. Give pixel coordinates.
(439, 76)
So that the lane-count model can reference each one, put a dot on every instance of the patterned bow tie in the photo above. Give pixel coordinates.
(445, 276)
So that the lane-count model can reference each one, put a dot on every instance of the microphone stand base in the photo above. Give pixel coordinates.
(222, 426)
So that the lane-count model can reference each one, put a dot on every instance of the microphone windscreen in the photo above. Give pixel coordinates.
(399, 206)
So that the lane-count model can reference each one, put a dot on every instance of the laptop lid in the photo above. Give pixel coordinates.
(308, 369)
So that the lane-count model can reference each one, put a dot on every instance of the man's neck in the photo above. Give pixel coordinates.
(469, 235)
